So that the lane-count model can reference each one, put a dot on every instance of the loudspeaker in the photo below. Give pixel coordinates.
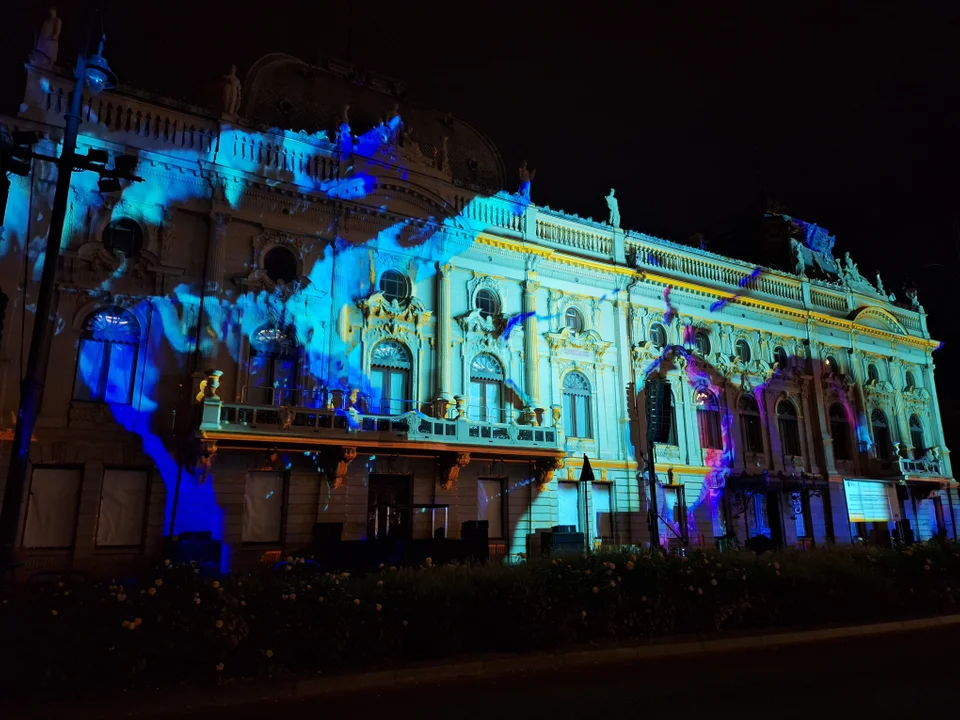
(659, 410)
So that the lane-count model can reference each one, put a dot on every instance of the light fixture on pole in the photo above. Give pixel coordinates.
(94, 72)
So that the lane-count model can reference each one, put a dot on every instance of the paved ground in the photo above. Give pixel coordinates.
(901, 675)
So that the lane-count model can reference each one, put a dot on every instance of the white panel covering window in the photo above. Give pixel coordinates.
(569, 504)
(52, 508)
(490, 491)
(867, 501)
(263, 507)
(602, 510)
(123, 499)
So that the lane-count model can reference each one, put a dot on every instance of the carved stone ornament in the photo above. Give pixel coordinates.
(476, 322)
(335, 463)
(450, 466)
(378, 307)
(544, 469)
(589, 341)
(205, 458)
(258, 278)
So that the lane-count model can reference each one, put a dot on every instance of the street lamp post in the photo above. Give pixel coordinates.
(94, 72)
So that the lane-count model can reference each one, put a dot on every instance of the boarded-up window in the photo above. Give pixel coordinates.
(123, 500)
(491, 505)
(569, 504)
(602, 510)
(52, 508)
(263, 507)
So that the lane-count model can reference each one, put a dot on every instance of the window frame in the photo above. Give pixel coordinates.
(504, 512)
(569, 407)
(883, 449)
(658, 336)
(573, 313)
(107, 236)
(837, 422)
(292, 257)
(788, 425)
(391, 275)
(403, 369)
(482, 379)
(709, 419)
(743, 350)
(701, 338)
(755, 424)
(288, 348)
(916, 432)
(494, 302)
(88, 335)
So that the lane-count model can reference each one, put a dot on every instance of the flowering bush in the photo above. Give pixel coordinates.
(175, 626)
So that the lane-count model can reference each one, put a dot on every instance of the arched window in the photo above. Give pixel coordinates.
(708, 420)
(390, 378)
(780, 357)
(658, 335)
(743, 350)
(910, 383)
(576, 406)
(394, 285)
(486, 388)
(873, 375)
(573, 320)
(280, 264)
(916, 436)
(702, 343)
(789, 427)
(125, 236)
(274, 366)
(840, 432)
(881, 434)
(831, 365)
(107, 358)
(487, 302)
(750, 424)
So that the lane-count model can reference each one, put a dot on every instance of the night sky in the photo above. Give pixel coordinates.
(846, 113)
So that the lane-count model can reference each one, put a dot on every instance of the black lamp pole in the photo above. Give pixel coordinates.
(32, 385)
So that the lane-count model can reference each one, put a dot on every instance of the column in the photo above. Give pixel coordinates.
(825, 446)
(213, 286)
(863, 433)
(530, 347)
(937, 438)
(444, 311)
(622, 350)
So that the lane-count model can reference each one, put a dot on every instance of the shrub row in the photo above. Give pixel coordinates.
(176, 626)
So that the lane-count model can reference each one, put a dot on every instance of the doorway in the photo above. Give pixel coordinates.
(388, 507)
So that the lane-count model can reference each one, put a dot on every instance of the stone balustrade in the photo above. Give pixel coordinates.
(254, 420)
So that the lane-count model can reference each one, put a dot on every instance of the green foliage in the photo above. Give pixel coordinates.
(175, 626)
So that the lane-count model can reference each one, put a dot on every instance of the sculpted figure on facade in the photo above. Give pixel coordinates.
(614, 206)
(526, 178)
(880, 285)
(231, 91)
(47, 46)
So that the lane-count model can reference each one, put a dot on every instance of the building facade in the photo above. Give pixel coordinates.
(323, 308)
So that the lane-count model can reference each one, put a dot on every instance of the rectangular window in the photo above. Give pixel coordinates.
(603, 515)
(491, 505)
(263, 508)
(123, 502)
(867, 501)
(569, 499)
(568, 420)
(762, 524)
(52, 508)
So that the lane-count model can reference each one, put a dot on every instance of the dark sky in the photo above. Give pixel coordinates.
(848, 113)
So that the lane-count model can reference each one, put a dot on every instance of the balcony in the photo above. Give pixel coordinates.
(222, 420)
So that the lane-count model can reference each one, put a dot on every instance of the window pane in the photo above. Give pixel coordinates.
(491, 506)
(568, 421)
(582, 416)
(492, 401)
(89, 369)
(120, 373)
(262, 507)
(569, 502)
(398, 394)
(52, 508)
(378, 402)
(602, 511)
(122, 503)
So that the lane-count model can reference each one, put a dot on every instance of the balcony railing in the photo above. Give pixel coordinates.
(923, 466)
(413, 426)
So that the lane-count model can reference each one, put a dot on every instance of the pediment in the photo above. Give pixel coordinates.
(879, 319)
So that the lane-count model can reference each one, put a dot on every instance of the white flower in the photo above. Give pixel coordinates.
(379, 583)
(595, 589)
(713, 581)
(269, 653)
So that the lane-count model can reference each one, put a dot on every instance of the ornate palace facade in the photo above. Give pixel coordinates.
(321, 307)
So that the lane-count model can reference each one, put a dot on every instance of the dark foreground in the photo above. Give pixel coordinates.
(909, 674)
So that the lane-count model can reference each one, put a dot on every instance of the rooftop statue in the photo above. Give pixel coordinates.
(231, 92)
(880, 285)
(614, 206)
(47, 46)
(851, 272)
(526, 178)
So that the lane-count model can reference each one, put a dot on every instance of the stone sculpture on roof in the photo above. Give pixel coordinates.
(614, 205)
(231, 92)
(47, 46)
(526, 178)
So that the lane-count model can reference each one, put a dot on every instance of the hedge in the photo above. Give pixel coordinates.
(176, 626)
